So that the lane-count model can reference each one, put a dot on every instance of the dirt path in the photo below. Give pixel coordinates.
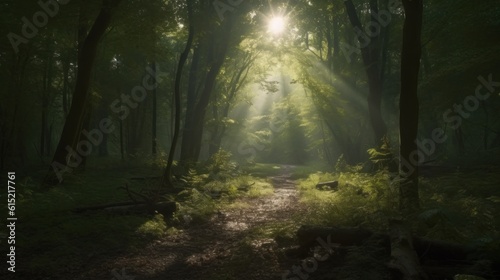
(230, 246)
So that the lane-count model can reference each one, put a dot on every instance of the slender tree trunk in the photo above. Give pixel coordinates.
(408, 105)
(66, 155)
(167, 175)
(486, 132)
(153, 125)
(122, 148)
(65, 93)
(46, 91)
(459, 135)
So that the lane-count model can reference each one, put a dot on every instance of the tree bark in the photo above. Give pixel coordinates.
(371, 59)
(192, 94)
(153, 125)
(167, 175)
(408, 105)
(237, 81)
(61, 162)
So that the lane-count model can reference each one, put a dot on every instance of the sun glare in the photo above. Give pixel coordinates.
(276, 25)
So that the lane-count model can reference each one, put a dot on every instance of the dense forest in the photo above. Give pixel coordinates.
(231, 139)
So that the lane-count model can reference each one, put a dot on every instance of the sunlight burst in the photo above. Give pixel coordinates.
(276, 25)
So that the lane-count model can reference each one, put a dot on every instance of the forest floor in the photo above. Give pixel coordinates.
(232, 245)
(248, 234)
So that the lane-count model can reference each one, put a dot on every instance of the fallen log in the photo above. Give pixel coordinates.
(329, 185)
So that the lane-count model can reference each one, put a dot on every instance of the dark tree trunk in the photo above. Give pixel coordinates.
(61, 162)
(371, 60)
(237, 81)
(167, 175)
(408, 105)
(191, 145)
(85, 126)
(192, 94)
(193, 150)
(65, 90)
(122, 148)
(459, 135)
(46, 92)
(153, 125)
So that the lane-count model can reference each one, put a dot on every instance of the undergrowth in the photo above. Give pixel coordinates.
(361, 199)
(214, 186)
(459, 207)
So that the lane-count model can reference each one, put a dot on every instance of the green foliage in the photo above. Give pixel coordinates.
(54, 230)
(215, 185)
(459, 207)
(361, 199)
(342, 166)
(382, 157)
(196, 206)
(456, 207)
(154, 228)
(262, 169)
(220, 162)
(260, 188)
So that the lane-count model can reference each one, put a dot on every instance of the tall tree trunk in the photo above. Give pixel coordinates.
(153, 124)
(167, 175)
(192, 147)
(65, 160)
(192, 94)
(46, 91)
(65, 101)
(371, 59)
(122, 148)
(201, 108)
(408, 105)
(85, 126)
(237, 80)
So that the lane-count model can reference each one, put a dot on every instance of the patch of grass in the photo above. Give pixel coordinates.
(303, 171)
(197, 207)
(460, 207)
(260, 188)
(361, 199)
(284, 229)
(49, 230)
(263, 169)
(154, 228)
(202, 201)
(237, 205)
